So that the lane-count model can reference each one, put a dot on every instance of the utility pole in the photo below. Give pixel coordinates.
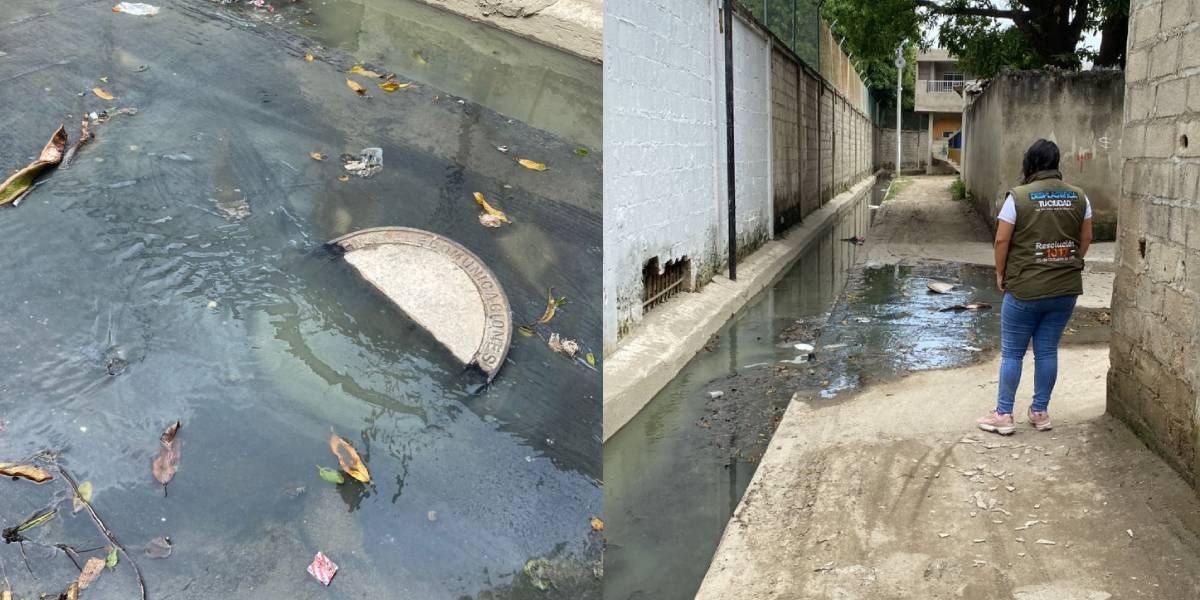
(900, 62)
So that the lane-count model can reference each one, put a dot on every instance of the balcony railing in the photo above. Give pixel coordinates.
(942, 85)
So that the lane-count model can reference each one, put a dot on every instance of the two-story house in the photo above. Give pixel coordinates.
(939, 95)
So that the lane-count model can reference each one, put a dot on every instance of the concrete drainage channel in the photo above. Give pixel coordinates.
(676, 471)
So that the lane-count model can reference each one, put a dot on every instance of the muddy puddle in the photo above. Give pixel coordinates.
(177, 270)
(675, 473)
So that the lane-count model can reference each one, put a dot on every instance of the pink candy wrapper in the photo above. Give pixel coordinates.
(322, 569)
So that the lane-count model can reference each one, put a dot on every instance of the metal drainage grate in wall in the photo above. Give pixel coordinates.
(658, 287)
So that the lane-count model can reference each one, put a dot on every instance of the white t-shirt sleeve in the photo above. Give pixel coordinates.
(1008, 212)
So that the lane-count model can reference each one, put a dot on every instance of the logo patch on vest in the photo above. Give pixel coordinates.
(1060, 200)
(1052, 252)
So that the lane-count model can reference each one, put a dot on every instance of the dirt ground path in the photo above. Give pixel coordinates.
(892, 492)
(922, 222)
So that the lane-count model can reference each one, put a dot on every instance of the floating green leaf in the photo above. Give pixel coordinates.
(591, 359)
(581, 152)
(331, 475)
(85, 495)
(525, 330)
(110, 560)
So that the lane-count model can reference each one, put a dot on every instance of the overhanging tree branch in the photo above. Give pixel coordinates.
(968, 11)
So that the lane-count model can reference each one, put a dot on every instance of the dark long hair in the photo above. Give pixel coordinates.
(1041, 156)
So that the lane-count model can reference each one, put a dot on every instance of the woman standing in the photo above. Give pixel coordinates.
(1042, 235)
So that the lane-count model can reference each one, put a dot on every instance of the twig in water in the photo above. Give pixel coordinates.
(104, 528)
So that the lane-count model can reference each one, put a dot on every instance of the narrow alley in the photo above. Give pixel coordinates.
(886, 490)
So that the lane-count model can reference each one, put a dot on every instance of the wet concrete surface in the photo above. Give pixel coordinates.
(241, 324)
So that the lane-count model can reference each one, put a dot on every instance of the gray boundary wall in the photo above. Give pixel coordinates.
(1154, 380)
(1081, 112)
(664, 131)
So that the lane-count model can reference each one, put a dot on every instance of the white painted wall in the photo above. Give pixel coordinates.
(664, 172)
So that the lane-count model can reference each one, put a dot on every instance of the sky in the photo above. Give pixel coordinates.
(1091, 39)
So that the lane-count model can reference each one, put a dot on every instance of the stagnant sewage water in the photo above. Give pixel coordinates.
(183, 252)
(670, 482)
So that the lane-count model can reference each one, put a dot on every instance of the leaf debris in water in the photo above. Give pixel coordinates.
(90, 572)
(356, 86)
(103, 95)
(392, 85)
(19, 183)
(532, 164)
(365, 72)
(167, 462)
(84, 495)
(29, 472)
(110, 560)
(348, 458)
(331, 475)
(483, 203)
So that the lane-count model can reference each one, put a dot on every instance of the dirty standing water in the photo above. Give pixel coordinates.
(675, 473)
(177, 270)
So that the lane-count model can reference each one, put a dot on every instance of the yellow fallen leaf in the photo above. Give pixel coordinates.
(316, 156)
(348, 458)
(356, 86)
(359, 70)
(530, 164)
(597, 524)
(479, 199)
(30, 472)
(552, 305)
(344, 178)
(591, 359)
(102, 94)
(308, 56)
(85, 495)
(392, 85)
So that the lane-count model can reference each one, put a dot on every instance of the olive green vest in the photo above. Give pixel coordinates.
(1043, 259)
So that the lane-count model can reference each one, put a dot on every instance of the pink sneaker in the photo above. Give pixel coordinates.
(997, 423)
(1040, 420)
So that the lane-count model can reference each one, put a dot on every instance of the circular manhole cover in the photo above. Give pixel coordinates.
(441, 285)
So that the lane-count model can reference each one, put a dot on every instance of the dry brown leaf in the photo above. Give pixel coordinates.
(102, 94)
(308, 56)
(348, 458)
(72, 592)
(531, 164)
(20, 182)
(483, 203)
(597, 524)
(316, 156)
(29, 472)
(167, 462)
(392, 85)
(356, 86)
(90, 572)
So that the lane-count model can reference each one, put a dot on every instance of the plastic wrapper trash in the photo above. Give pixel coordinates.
(322, 569)
(137, 9)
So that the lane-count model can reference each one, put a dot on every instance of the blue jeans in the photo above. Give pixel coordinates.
(1042, 321)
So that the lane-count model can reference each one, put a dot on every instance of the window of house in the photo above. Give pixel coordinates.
(953, 77)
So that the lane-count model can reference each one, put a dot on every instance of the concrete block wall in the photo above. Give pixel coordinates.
(914, 150)
(1154, 381)
(664, 159)
(1081, 112)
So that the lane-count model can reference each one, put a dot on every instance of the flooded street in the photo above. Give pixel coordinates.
(675, 473)
(185, 246)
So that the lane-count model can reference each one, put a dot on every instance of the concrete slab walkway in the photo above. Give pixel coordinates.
(892, 492)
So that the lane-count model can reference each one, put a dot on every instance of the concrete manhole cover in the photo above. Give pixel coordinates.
(439, 284)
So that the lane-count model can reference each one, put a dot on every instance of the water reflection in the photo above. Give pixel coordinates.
(541, 86)
(675, 473)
